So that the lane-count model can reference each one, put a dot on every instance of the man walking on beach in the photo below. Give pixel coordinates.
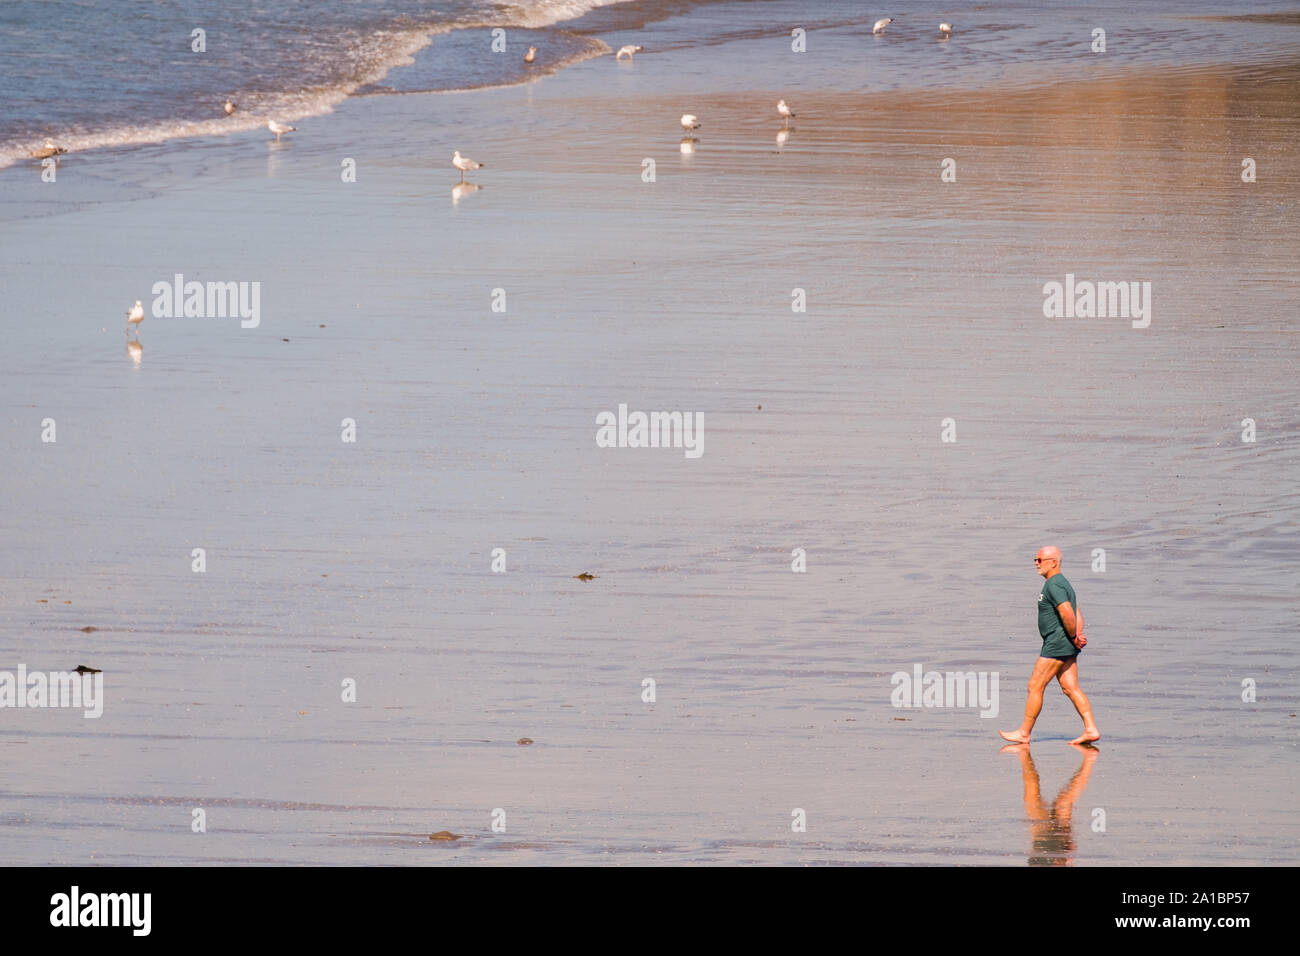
(1061, 626)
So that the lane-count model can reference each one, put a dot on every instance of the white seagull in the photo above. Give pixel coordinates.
(530, 55)
(229, 108)
(690, 121)
(627, 51)
(879, 28)
(784, 110)
(279, 129)
(945, 30)
(464, 164)
(48, 150)
(134, 316)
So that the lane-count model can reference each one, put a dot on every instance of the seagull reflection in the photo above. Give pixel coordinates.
(136, 351)
(461, 190)
(688, 145)
(1051, 840)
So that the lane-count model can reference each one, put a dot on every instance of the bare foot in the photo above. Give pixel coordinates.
(1015, 737)
(1087, 737)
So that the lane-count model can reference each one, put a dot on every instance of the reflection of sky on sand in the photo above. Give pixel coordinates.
(370, 560)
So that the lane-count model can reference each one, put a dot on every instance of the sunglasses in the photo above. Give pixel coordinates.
(1041, 560)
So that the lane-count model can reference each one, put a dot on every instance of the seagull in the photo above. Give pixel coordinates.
(279, 129)
(464, 164)
(48, 150)
(690, 121)
(134, 317)
(530, 55)
(784, 110)
(230, 108)
(627, 51)
(945, 30)
(879, 28)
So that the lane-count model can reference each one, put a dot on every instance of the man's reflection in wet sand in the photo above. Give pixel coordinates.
(1049, 830)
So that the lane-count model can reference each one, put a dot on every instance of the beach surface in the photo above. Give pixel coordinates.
(371, 561)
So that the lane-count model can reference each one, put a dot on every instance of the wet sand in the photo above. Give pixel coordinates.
(476, 430)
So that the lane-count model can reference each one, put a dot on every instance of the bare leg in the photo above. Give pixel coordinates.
(1044, 670)
(1069, 681)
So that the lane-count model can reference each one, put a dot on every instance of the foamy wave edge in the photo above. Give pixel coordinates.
(288, 107)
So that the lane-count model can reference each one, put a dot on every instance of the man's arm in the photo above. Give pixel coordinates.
(1068, 619)
(1073, 624)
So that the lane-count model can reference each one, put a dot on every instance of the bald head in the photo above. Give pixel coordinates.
(1048, 561)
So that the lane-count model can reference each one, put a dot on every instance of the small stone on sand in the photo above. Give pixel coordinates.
(445, 835)
(585, 576)
(524, 741)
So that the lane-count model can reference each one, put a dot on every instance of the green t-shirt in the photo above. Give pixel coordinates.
(1056, 643)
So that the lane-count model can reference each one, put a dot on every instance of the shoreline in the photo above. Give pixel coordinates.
(412, 56)
(749, 108)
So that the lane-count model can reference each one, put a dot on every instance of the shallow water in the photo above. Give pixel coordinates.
(88, 78)
(476, 430)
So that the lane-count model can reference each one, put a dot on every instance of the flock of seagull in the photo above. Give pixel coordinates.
(689, 121)
(463, 163)
(945, 29)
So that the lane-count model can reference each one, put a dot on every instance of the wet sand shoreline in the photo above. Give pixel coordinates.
(372, 561)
